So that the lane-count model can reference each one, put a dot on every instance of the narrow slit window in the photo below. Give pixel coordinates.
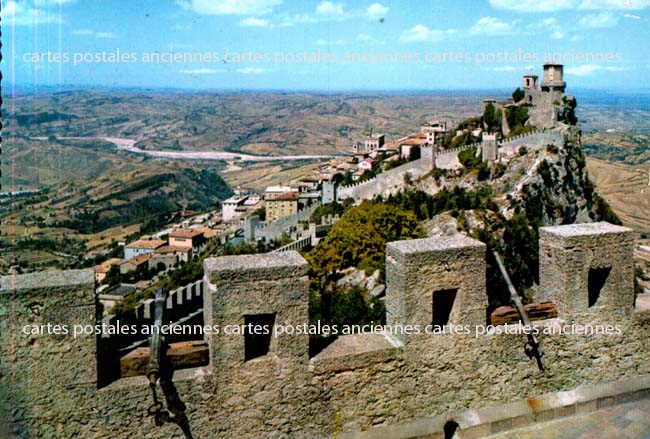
(442, 303)
(596, 282)
(257, 338)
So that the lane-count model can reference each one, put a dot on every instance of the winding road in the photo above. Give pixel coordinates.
(128, 145)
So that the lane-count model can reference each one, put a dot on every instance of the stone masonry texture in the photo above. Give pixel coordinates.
(49, 388)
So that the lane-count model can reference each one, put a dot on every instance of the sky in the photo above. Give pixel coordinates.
(323, 45)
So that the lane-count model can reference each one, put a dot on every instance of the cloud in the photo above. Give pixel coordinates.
(602, 20)
(376, 11)
(92, 33)
(229, 7)
(202, 71)
(105, 35)
(23, 14)
(632, 16)
(369, 39)
(589, 69)
(255, 22)
(491, 26)
(548, 26)
(330, 9)
(421, 32)
(251, 70)
(557, 5)
(534, 5)
(614, 4)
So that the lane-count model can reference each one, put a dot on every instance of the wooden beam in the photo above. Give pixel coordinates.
(181, 355)
(535, 311)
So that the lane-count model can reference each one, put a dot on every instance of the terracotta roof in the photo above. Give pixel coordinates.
(185, 233)
(146, 243)
(139, 260)
(411, 142)
(105, 266)
(285, 196)
(172, 249)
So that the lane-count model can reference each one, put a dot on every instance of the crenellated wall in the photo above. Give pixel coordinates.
(358, 382)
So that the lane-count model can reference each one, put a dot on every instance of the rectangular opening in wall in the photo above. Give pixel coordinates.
(442, 303)
(595, 283)
(257, 338)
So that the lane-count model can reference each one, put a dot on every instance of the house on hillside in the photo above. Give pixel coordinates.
(135, 263)
(281, 205)
(170, 255)
(366, 164)
(141, 246)
(191, 239)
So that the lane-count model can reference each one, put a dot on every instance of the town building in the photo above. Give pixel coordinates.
(408, 145)
(433, 129)
(191, 239)
(371, 142)
(171, 255)
(242, 203)
(110, 296)
(135, 263)
(141, 246)
(366, 164)
(102, 270)
(229, 206)
(281, 205)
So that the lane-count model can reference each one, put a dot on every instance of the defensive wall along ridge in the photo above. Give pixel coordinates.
(259, 386)
(391, 181)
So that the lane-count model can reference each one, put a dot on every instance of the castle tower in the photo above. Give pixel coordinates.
(261, 290)
(489, 149)
(530, 82)
(587, 267)
(435, 281)
(553, 81)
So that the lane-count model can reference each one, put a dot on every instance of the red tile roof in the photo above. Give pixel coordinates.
(146, 243)
(172, 249)
(185, 233)
(139, 260)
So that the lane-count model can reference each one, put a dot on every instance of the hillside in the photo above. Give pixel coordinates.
(91, 197)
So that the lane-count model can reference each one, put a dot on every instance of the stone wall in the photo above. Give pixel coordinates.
(273, 229)
(536, 139)
(391, 181)
(582, 258)
(359, 381)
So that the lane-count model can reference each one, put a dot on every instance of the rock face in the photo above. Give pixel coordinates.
(353, 277)
(557, 186)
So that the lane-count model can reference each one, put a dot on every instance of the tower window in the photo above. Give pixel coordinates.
(596, 282)
(442, 303)
(257, 337)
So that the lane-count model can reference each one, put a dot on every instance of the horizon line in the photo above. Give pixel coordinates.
(85, 87)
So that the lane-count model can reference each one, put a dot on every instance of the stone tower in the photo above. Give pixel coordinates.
(553, 84)
(530, 82)
(489, 150)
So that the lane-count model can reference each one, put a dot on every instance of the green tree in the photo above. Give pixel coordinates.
(518, 95)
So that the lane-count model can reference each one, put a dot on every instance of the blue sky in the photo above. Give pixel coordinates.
(442, 44)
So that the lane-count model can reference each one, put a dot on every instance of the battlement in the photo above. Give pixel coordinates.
(267, 384)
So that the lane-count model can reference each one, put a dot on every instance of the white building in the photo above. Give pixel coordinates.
(432, 128)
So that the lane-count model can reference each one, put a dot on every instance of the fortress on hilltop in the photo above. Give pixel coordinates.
(390, 383)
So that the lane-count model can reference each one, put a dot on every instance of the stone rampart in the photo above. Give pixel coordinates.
(271, 387)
